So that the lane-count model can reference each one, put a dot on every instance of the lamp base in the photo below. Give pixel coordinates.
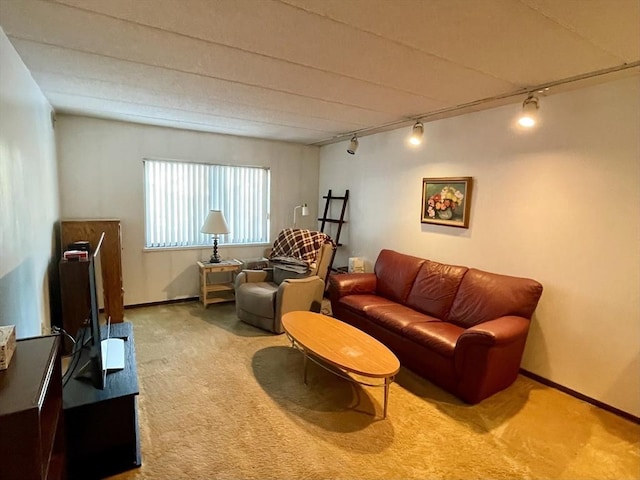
(215, 258)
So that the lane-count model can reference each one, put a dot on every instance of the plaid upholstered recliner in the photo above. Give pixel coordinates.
(295, 280)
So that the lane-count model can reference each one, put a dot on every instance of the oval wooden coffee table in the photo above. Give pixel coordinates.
(328, 341)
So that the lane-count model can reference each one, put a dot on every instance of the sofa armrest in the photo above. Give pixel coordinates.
(487, 356)
(495, 332)
(343, 284)
(251, 276)
(298, 294)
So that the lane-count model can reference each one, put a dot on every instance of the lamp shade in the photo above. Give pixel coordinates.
(215, 223)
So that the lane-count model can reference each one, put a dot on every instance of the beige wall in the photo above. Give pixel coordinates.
(101, 176)
(28, 198)
(560, 204)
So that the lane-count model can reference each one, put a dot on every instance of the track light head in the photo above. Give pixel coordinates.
(416, 133)
(353, 145)
(529, 111)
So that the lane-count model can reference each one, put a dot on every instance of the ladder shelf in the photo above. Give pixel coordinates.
(337, 221)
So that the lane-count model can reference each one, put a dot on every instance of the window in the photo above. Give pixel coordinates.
(179, 195)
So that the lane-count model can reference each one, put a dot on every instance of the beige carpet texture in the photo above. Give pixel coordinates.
(220, 399)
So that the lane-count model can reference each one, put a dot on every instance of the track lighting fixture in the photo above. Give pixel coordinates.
(416, 133)
(353, 145)
(529, 111)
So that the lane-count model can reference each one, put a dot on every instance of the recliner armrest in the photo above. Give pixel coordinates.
(309, 279)
(251, 276)
(298, 294)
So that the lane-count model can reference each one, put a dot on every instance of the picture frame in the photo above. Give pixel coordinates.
(446, 201)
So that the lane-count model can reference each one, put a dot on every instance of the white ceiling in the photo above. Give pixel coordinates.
(310, 71)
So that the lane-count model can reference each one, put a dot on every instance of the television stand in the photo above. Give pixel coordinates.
(101, 426)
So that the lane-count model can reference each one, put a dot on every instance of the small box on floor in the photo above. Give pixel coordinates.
(7, 345)
(356, 265)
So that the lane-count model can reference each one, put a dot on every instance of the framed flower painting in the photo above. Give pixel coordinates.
(446, 201)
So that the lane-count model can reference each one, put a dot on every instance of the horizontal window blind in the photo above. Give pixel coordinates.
(179, 195)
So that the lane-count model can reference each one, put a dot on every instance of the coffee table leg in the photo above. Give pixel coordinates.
(387, 382)
(305, 368)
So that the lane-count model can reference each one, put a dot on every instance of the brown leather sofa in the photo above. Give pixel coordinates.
(461, 328)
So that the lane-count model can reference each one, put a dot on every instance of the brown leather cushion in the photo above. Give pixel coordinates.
(395, 274)
(485, 296)
(396, 317)
(364, 303)
(435, 288)
(438, 336)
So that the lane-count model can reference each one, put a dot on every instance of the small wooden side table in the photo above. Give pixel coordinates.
(212, 290)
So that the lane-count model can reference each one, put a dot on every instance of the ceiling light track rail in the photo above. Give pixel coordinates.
(464, 106)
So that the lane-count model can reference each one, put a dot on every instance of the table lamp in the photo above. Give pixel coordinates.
(216, 225)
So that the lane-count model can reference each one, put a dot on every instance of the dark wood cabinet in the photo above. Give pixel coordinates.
(31, 415)
(111, 259)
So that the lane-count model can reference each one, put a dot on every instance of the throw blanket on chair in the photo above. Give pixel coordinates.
(297, 249)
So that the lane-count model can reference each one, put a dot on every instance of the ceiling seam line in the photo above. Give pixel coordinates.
(43, 73)
(111, 119)
(398, 42)
(573, 32)
(202, 75)
(262, 54)
(182, 110)
(135, 115)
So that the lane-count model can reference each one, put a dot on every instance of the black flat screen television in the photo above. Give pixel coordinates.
(90, 337)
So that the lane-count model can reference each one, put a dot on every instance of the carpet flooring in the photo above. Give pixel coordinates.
(220, 399)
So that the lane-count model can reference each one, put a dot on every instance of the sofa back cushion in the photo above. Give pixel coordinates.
(395, 273)
(484, 296)
(435, 287)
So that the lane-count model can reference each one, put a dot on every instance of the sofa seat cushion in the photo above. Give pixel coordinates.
(364, 303)
(258, 298)
(439, 336)
(396, 317)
